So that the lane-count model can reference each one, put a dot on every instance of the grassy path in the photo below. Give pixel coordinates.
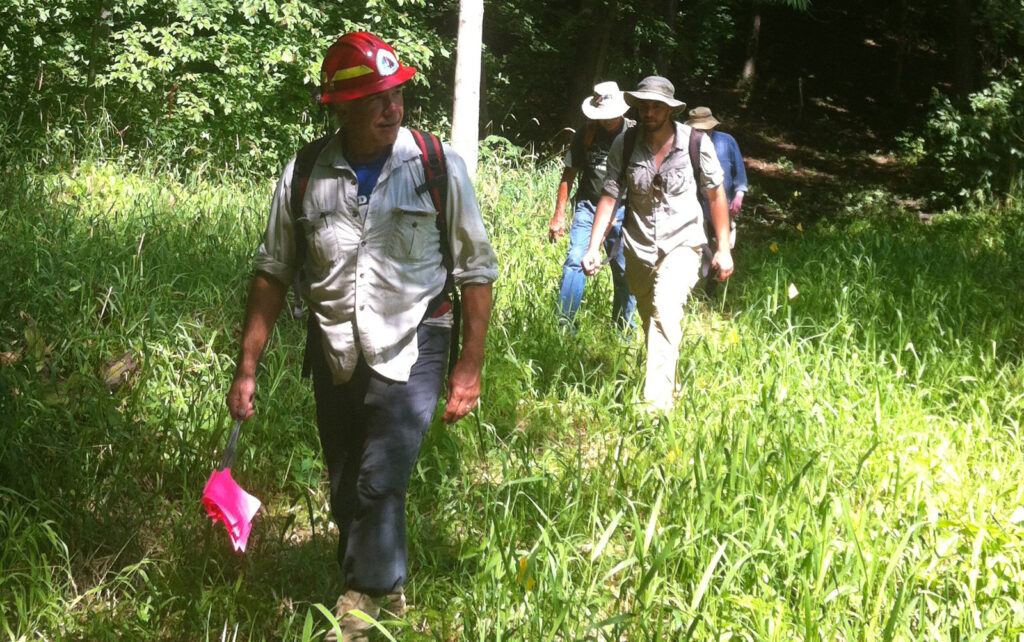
(843, 463)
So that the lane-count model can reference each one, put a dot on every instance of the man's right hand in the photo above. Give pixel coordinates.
(591, 262)
(556, 228)
(240, 397)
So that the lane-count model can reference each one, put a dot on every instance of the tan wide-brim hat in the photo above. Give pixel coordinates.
(701, 118)
(655, 88)
(605, 103)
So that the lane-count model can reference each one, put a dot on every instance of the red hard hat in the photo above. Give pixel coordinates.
(360, 64)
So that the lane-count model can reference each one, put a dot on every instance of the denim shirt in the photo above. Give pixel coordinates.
(368, 281)
(664, 212)
(732, 163)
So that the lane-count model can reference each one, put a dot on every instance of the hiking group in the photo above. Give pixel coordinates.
(379, 228)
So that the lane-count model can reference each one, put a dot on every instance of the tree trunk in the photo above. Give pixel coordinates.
(466, 109)
(665, 60)
(903, 39)
(750, 66)
(592, 55)
(964, 52)
(601, 54)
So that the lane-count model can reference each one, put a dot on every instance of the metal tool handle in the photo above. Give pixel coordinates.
(229, 452)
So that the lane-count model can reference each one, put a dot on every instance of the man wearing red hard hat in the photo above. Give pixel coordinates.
(355, 216)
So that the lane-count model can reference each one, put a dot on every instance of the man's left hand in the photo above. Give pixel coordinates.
(463, 391)
(737, 203)
(723, 261)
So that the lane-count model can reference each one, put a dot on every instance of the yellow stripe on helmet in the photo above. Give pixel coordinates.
(351, 72)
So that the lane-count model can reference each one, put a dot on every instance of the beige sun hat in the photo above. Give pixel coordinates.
(606, 102)
(655, 88)
(701, 118)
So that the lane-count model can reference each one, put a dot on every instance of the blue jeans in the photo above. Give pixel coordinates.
(370, 430)
(573, 279)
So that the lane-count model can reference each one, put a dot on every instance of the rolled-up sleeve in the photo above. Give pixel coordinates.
(615, 164)
(473, 259)
(276, 254)
(710, 169)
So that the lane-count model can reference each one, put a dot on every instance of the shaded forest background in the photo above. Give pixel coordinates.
(227, 84)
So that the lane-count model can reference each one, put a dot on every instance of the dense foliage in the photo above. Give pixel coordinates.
(221, 83)
(978, 147)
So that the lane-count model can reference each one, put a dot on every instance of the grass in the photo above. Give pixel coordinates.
(844, 464)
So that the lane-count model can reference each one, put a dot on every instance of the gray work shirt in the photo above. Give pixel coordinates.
(368, 281)
(664, 210)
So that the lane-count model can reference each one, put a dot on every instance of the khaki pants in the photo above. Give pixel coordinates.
(661, 293)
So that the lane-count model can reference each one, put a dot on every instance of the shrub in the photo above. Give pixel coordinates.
(978, 147)
(192, 83)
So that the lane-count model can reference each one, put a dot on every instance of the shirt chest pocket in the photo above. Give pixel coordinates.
(677, 180)
(415, 234)
(640, 179)
(321, 225)
(320, 234)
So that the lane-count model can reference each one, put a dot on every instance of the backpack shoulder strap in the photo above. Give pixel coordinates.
(435, 175)
(696, 135)
(588, 138)
(304, 162)
(628, 145)
(435, 170)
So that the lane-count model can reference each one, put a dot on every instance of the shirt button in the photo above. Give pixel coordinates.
(362, 274)
(363, 243)
(362, 307)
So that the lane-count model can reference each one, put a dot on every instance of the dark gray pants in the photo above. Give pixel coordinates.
(371, 429)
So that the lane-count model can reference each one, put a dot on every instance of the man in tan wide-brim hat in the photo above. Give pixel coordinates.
(587, 156)
(664, 230)
(728, 151)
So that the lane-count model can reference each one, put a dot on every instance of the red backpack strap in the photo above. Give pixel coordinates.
(434, 169)
(435, 175)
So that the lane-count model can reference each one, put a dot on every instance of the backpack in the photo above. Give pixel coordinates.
(435, 173)
(696, 135)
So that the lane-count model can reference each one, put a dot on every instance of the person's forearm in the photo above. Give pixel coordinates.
(476, 316)
(564, 184)
(266, 298)
(562, 198)
(719, 215)
(602, 218)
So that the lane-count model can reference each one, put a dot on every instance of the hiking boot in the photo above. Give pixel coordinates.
(393, 605)
(355, 629)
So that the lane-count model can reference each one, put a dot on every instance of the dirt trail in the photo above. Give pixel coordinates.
(803, 163)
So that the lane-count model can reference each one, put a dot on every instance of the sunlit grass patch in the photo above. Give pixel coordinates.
(841, 464)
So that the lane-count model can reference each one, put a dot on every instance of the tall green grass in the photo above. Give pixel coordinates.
(844, 464)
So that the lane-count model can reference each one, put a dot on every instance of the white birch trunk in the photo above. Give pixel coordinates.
(466, 111)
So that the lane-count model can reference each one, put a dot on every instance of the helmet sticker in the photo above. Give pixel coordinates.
(387, 64)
